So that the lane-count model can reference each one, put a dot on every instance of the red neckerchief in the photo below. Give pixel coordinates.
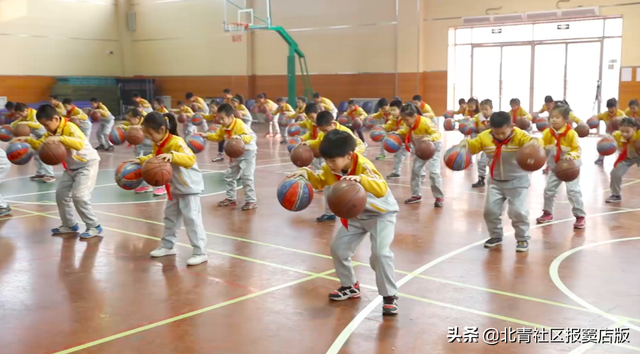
(73, 108)
(386, 115)
(160, 147)
(352, 113)
(398, 122)
(407, 138)
(558, 137)
(352, 172)
(498, 152)
(315, 132)
(623, 154)
(484, 122)
(514, 114)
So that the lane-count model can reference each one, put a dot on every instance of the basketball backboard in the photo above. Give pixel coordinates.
(256, 13)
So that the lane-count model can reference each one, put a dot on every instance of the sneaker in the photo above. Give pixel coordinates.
(522, 246)
(380, 157)
(390, 305)
(109, 149)
(545, 171)
(413, 200)
(345, 292)
(283, 141)
(326, 217)
(492, 242)
(160, 191)
(100, 147)
(580, 222)
(196, 259)
(144, 189)
(249, 206)
(36, 177)
(393, 175)
(227, 202)
(49, 179)
(478, 184)
(5, 211)
(91, 232)
(613, 199)
(218, 158)
(162, 252)
(439, 203)
(599, 161)
(277, 135)
(65, 230)
(545, 218)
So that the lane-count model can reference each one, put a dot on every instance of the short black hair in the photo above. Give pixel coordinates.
(159, 101)
(417, 98)
(548, 99)
(324, 119)
(351, 102)
(21, 107)
(397, 98)
(409, 110)
(337, 143)
(67, 100)
(512, 101)
(134, 112)
(214, 102)
(157, 120)
(629, 122)
(55, 97)
(238, 97)
(262, 95)
(462, 101)
(500, 119)
(46, 112)
(136, 104)
(135, 95)
(311, 108)
(302, 99)
(382, 102)
(226, 108)
(396, 103)
(316, 95)
(563, 109)
(180, 103)
(227, 91)
(612, 102)
(10, 106)
(94, 100)
(487, 102)
(634, 102)
(281, 99)
(189, 95)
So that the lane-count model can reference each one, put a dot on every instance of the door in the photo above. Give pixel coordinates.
(486, 73)
(516, 76)
(583, 74)
(549, 73)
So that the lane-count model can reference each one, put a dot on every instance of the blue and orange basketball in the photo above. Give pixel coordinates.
(284, 120)
(213, 128)
(449, 124)
(593, 122)
(293, 129)
(467, 127)
(369, 123)
(19, 153)
(392, 143)
(292, 142)
(5, 133)
(542, 124)
(457, 158)
(448, 114)
(607, 146)
(295, 194)
(196, 143)
(129, 175)
(344, 120)
(197, 120)
(377, 134)
(116, 137)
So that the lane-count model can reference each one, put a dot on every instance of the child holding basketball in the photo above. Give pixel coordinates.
(423, 106)
(212, 118)
(243, 167)
(269, 108)
(632, 111)
(28, 116)
(481, 121)
(416, 127)
(393, 125)
(381, 118)
(472, 108)
(77, 116)
(55, 102)
(106, 124)
(184, 189)
(146, 106)
(611, 112)
(548, 105)
(378, 219)
(326, 104)
(517, 111)
(561, 142)
(463, 107)
(509, 182)
(80, 173)
(354, 111)
(158, 106)
(237, 102)
(625, 138)
(197, 101)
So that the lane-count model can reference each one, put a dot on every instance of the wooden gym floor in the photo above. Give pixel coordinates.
(264, 289)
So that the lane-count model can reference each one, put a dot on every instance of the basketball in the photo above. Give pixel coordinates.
(292, 142)
(449, 124)
(293, 129)
(182, 118)
(392, 143)
(535, 116)
(268, 117)
(347, 199)
(52, 152)
(196, 143)
(21, 130)
(234, 148)
(302, 155)
(19, 153)
(424, 149)
(134, 135)
(615, 123)
(636, 145)
(457, 158)
(116, 137)
(95, 116)
(344, 120)
(194, 107)
(263, 109)
(5, 133)
(295, 194)
(448, 114)
(582, 130)
(541, 124)
(156, 172)
(377, 134)
(467, 127)
(356, 124)
(197, 120)
(531, 157)
(567, 170)
(523, 123)
(129, 175)
(593, 122)
(213, 128)
(607, 146)
(300, 118)
(369, 123)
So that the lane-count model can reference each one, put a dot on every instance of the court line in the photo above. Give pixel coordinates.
(585, 347)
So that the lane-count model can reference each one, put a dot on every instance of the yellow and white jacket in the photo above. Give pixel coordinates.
(104, 112)
(568, 144)
(315, 144)
(422, 128)
(31, 121)
(237, 127)
(426, 110)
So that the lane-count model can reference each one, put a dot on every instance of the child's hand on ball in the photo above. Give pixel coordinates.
(52, 138)
(236, 137)
(134, 161)
(567, 157)
(166, 157)
(356, 179)
(20, 139)
(299, 173)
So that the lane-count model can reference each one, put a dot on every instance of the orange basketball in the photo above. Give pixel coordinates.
(582, 130)
(424, 149)
(134, 135)
(531, 157)
(302, 155)
(347, 199)
(567, 170)
(156, 172)
(182, 118)
(234, 148)
(615, 123)
(21, 130)
(356, 124)
(523, 123)
(52, 152)
(95, 116)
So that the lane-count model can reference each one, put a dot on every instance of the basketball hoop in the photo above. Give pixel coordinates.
(237, 30)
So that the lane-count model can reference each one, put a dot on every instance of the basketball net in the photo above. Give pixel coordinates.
(237, 31)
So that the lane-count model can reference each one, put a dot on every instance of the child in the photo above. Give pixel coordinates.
(417, 127)
(354, 111)
(11, 108)
(242, 167)
(301, 104)
(394, 124)
(237, 102)
(326, 104)
(199, 102)
(381, 118)
(424, 107)
(463, 107)
(184, 189)
(518, 112)
(572, 115)
(561, 142)
(77, 116)
(158, 106)
(625, 137)
(226, 95)
(548, 105)
(311, 112)
(481, 121)
(212, 118)
(508, 181)
(146, 106)
(106, 124)
(263, 102)
(472, 108)
(378, 218)
(612, 112)
(55, 102)
(632, 111)
(28, 116)
(188, 127)
(80, 173)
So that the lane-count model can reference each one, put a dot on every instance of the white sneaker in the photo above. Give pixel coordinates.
(197, 259)
(162, 252)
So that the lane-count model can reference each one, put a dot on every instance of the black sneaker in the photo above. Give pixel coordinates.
(613, 199)
(393, 175)
(599, 161)
(100, 147)
(390, 305)
(218, 158)
(109, 149)
(346, 292)
(5, 211)
(479, 184)
(326, 217)
(522, 246)
(283, 141)
(492, 242)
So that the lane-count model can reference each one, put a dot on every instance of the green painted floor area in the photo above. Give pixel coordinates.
(105, 192)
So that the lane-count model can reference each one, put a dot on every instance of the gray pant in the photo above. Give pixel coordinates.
(5, 167)
(76, 187)
(617, 173)
(482, 165)
(573, 194)
(247, 120)
(518, 211)
(85, 126)
(434, 173)
(185, 208)
(42, 169)
(244, 168)
(346, 241)
(383, 152)
(103, 132)
(398, 159)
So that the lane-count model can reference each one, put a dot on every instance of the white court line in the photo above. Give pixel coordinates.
(584, 347)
